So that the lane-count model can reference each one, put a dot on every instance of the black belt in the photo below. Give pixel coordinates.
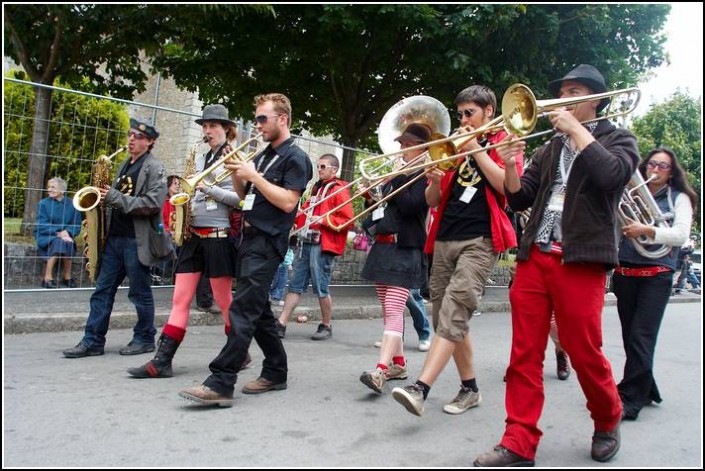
(251, 230)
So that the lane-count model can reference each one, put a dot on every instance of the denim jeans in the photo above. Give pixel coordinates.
(417, 309)
(279, 284)
(311, 264)
(118, 261)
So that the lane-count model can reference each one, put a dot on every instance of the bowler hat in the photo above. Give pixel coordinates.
(215, 113)
(144, 127)
(588, 76)
(415, 132)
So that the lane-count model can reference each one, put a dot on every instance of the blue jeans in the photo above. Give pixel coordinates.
(310, 264)
(119, 260)
(417, 309)
(278, 287)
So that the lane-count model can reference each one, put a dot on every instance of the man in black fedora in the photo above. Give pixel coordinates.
(574, 185)
(134, 243)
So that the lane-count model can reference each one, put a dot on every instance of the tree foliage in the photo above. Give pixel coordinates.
(675, 123)
(86, 127)
(344, 66)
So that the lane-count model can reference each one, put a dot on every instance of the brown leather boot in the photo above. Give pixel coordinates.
(160, 365)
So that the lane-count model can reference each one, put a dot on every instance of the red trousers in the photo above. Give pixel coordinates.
(576, 293)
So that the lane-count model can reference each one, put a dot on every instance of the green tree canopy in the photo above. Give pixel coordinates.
(344, 66)
(675, 123)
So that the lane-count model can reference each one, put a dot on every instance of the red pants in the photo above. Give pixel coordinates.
(576, 293)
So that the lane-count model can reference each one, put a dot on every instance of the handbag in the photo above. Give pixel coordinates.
(360, 242)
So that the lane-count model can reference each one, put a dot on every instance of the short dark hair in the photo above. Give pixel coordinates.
(480, 95)
(332, 159)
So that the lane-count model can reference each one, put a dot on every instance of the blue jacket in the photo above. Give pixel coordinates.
(54, 216)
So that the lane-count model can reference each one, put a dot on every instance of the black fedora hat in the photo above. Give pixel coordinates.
(416, 133)
(215, 113)
(144, 127)
(588, 76)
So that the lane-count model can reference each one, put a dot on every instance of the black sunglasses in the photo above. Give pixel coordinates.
(136, 135)
(262, 118)
(466, 113)
(660, 165)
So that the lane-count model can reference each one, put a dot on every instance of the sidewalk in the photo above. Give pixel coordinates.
(64, 309)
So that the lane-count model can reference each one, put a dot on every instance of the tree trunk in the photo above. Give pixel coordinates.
(38, 158)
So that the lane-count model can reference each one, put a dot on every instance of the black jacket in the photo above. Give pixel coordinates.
(596, 182)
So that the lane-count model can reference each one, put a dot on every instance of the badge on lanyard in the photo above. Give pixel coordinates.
(211, 204)
(378, 213)
(555, 203)
(468, 193)
(249, 202)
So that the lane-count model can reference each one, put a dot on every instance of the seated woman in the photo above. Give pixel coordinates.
(58, 223)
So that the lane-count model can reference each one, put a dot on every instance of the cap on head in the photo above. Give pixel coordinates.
(144, 127)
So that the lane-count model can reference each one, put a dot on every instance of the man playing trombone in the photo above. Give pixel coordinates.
(319, 244)
(574, 184)
(470, 229)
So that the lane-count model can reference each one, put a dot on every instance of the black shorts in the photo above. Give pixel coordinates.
(214, 257)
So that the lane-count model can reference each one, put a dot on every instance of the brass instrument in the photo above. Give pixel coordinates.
(88, 200)
(188, 185)
(638, 204)
(180, 218)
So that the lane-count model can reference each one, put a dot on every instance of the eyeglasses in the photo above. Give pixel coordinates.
(466, 113)
(652, 164)
(262, 118)
(324, 166)
(136, 135)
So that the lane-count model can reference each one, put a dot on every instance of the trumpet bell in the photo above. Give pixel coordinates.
(86, 198)
(416, 109)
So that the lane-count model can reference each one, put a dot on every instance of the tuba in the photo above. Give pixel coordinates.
(88, 200)
(180, 217)
(638, 204)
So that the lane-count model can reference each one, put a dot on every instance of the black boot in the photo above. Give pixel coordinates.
(160, 365)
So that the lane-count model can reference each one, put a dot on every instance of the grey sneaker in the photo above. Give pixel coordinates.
(324, 332)
(374, 379)
(466, 399)
(411, 397)
(396, 372)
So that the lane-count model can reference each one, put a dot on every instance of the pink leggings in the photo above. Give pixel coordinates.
(393, 300)
(185, 289)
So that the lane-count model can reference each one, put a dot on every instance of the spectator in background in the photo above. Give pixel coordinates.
(278, 288)
(58, 224)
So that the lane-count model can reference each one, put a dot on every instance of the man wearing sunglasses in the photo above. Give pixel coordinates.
(319, 244)
(134, 243)
(270, 186)
(574, 185)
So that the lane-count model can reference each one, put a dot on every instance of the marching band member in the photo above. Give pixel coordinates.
(320, 244)
(396, 261)
(643, 285)
(206, 251)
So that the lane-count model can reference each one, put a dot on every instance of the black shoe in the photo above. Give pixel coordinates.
(134, 348)
(281, 329)
(324, 332)
(501, 457)
(605, 445)
(628, 414)
(50, 284)
(68, 283)
(562, 365)
(80, 351)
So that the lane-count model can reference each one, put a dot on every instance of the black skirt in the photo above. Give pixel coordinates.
(214, 257)
(394, 266)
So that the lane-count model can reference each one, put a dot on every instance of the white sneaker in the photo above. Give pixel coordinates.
(424, 345)
(378, 344)
(477, 313)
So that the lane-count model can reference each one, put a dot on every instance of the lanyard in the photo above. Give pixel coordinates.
(259, 165)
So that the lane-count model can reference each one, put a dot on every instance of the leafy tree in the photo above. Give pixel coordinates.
(675, 123)
(92, 46)
(86, 127)
(344, 66)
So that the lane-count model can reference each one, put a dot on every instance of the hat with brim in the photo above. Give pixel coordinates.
(588, 76)
(215, 113)
(144, 127)
(416, 133)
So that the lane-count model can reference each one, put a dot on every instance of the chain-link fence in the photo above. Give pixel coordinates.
(81, 127)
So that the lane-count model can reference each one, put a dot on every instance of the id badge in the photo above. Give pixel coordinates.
(211, 204)
(468, 194)
(556, 202)
(378, 213)
(249, 202)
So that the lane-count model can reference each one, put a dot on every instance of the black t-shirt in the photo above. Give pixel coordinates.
(121, 224)
(466, 220)
(287, 166)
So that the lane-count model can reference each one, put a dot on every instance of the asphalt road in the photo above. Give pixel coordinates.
(89, 413)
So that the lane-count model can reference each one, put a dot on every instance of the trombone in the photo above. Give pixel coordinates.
(188, 185)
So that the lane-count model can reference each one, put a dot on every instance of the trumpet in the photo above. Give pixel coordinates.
(188, 185)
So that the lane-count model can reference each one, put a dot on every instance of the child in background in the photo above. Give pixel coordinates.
(278, 288)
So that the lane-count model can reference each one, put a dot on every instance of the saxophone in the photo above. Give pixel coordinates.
(88, 200)
(180, 218)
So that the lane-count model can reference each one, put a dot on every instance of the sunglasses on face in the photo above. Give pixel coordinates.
(660, 165)
(325, 166)
(466, 113)
(136, 135)
(262, 118)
